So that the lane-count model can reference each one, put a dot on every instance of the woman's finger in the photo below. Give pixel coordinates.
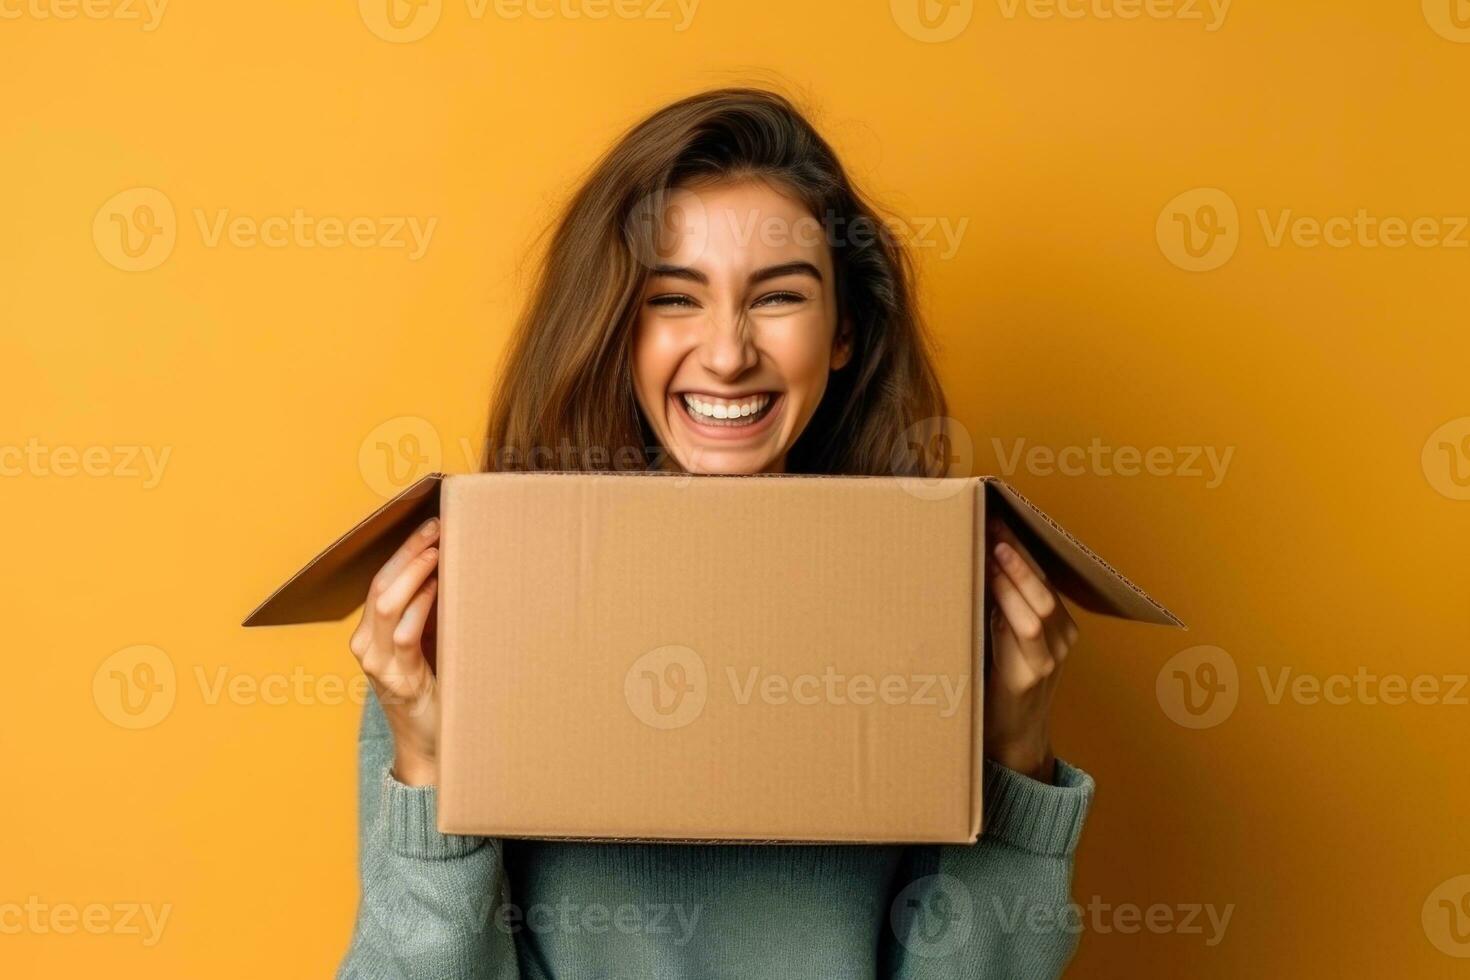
(1061, 634)
(1027, 580)
(408, 635)
(1002, 532)
(390, 604)
(367, 631)
(427, 534)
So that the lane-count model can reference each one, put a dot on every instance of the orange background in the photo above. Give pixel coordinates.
(1334, 543)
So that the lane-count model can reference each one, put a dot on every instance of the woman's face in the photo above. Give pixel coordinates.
(737, 330)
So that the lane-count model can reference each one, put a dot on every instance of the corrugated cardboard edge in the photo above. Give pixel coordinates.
(980, 639)
(333, 583)
(447, 809)
(1092, 583)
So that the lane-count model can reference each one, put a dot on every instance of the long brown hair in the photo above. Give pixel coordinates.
(565, 399)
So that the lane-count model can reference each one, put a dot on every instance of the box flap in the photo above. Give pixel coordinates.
(334, 583)
(1076, 569)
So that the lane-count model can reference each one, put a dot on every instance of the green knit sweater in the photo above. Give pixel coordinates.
(446, 907)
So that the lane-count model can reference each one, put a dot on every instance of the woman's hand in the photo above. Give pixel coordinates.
(390, 644)
(1031, 634)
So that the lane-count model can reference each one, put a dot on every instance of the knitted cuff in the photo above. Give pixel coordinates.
(1033, 816)
(409, 814)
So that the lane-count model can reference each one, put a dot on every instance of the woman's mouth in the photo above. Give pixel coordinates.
(727, 413)
(712, 419)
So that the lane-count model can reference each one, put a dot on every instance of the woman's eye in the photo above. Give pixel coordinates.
(779, 299)
(673, 299)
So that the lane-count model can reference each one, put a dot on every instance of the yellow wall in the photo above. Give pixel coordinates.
(1055, 146)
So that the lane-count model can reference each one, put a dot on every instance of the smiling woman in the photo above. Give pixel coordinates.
(738, 333)
(719, 256)
(718, 299)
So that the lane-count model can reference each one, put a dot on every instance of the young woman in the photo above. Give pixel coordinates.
(717, 299)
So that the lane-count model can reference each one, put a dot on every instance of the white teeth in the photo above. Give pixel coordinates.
(722, 409)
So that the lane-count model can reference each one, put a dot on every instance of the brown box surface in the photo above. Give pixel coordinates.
(668, 657)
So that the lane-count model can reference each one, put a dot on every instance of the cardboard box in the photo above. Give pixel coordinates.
(667, 657)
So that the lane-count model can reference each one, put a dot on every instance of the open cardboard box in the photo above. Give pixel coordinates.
(671, 657)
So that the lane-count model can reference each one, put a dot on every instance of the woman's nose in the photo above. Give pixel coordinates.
(729, 350)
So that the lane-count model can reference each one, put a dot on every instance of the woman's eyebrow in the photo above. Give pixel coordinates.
(786, 269)
(758, 276)
(681, 272)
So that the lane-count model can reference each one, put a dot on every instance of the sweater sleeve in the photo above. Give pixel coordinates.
(430, 901)
(1001, 907)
